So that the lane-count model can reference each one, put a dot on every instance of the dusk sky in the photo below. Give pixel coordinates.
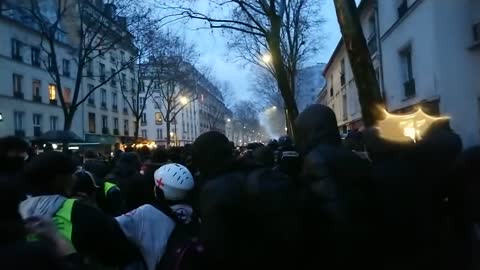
(212, 47)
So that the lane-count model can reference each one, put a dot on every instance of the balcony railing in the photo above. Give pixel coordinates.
(116, 131)
(409, 87)
(125, 111)
(105, 131)
(91, 102)
(115, 108)
(89, 73)
(372, 44)
(102, 77)
(20, 133)
(37, 98)
(53, 101)
(18, 94)
(103, 105)
(66, 74)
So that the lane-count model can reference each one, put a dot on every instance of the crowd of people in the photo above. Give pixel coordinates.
(318, 202)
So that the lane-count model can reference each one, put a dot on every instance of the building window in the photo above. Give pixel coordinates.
(17, 50)
(342, 72)
(103, 96)
(104, 123)
(122, 57)
(144, 119)
(125, 106)
(89, 65)
(113, 57)
(53, 122)
(50, 62)
(113, 81)
(125, 127)
(17, 85)
(91, 98)
(133, 84)
(144, 133)
(158, 118)
(407, 70)
(35, 57)
(67, 96)
(36, 85)
(114, 101)
(402, 8)
(92, 127)
(345, 107)
(123, 83)
(37, 125)
(18, 122)
(115, 123)
(159, 134)
(52, 93)
(66, 67)
(102, 72)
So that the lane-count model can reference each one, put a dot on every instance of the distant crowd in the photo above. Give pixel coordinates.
(319, 202)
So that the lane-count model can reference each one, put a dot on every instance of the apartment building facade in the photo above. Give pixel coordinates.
(198, 110)
(427, 54)
(29, 98)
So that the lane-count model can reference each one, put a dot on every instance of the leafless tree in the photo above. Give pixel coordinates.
(278, 28)
(245, 120)
(176, 77)
(149, 43)
(89, 33)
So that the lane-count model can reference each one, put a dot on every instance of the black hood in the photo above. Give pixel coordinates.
(316, 125)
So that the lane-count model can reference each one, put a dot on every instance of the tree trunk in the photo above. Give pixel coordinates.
(67, 126)
(371, 102)
(281, 74)
(136, 128)
(169, 138)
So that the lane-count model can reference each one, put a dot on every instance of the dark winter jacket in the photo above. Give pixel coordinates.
(337, 197)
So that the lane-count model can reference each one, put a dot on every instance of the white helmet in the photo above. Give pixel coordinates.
(174, 180)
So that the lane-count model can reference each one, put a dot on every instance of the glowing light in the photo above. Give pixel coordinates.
(274, 107)
(267, 58)
(229, 120)
(54, 146)
(183, 100)
(171, 134)
(73, 148)
(406, 127)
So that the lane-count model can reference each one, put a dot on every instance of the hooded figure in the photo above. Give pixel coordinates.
(336, 183)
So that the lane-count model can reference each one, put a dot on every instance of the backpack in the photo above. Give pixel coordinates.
(184, 251)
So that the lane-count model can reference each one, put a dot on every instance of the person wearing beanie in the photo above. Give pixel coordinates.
(212, 154)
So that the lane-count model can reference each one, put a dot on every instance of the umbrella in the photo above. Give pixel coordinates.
(60, 136)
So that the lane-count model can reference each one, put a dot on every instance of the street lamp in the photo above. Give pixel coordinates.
(274, 107)
(267, 58)
(183, 100)
(229, 120)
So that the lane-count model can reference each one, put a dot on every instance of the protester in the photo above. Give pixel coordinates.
(93, 234)
(338, 208)
(250, 221)
(85, 187)
(150, 226)
(126, 175)
(13, 155)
